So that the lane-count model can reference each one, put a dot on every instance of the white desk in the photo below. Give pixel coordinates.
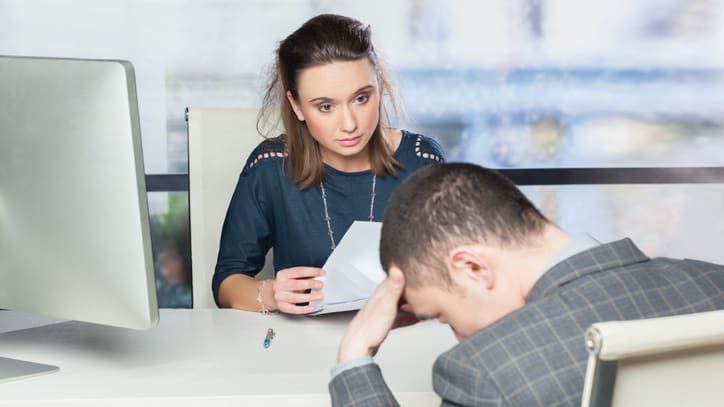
(209, 357)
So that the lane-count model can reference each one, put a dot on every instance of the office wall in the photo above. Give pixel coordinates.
(507, 84)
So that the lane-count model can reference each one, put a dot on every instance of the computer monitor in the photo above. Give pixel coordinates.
(74, 229)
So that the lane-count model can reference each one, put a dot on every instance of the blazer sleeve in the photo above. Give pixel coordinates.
(361, 386)
(459, 383)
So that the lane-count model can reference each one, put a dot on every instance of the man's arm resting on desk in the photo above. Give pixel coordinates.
(361, 386)
(460, 383)
(358, 381)
(366, 360)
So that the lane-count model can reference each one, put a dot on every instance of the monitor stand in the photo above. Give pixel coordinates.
(14, 369)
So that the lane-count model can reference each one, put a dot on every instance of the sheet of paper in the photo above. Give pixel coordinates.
(353, 270)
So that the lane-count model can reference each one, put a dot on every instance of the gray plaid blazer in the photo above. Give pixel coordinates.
(536, 356)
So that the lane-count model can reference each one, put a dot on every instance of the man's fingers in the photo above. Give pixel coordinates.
(388, 292)
(406, 308)
(396, 278)
(393, 286)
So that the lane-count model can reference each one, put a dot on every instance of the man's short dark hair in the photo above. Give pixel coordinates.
(446, 205)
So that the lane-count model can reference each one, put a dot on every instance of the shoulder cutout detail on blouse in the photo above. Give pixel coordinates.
(270, 148)
(425, 154)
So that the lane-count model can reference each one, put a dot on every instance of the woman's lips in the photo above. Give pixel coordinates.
(349, 142)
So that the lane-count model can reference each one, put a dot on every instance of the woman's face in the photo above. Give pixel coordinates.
(340, 103)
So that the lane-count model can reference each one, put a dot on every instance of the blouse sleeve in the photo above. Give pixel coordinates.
(247, 234)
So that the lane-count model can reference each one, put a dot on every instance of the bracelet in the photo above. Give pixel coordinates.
(262, 308)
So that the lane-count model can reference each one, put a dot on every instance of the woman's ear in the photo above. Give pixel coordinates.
(469, 264)
(295, 107)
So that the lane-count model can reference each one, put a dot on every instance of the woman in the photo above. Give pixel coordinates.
(337, 162)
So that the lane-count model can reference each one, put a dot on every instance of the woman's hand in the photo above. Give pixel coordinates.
(289, 289)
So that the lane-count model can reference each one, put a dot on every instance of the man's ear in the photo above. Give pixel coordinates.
(295, 107)
(471, 264)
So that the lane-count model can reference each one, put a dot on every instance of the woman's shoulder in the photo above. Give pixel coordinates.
(270, 151)
(422, 147)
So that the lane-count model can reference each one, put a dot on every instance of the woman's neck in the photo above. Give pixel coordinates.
(358, 162)
(361, 161)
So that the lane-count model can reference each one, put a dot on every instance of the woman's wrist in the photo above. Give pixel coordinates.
(267, 295)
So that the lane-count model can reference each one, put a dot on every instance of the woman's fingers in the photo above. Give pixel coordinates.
(293, 285)
(289, 308)
(300, 272)
(282, 284)
(285, 296)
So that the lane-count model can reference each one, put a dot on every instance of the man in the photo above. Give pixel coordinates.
(462, 244)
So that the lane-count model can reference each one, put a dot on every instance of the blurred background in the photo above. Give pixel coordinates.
(509, 84)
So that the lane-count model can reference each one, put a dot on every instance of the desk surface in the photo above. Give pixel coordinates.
(194, 357)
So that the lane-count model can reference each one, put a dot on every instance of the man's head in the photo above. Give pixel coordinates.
(468, 242)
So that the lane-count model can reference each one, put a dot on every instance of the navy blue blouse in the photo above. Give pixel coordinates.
(268, 210)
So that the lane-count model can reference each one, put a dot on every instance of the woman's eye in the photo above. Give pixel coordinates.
(325, 107)
(362, 99)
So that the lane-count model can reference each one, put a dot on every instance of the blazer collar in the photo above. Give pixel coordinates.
(602, 257)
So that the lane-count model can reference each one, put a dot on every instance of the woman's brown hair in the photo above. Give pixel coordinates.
(322, 40)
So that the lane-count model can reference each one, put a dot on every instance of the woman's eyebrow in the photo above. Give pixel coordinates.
(362, 89)
(327, 99)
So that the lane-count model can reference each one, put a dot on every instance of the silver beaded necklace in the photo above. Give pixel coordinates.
(326, 208)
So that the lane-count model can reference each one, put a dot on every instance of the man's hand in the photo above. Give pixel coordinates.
(373, 322)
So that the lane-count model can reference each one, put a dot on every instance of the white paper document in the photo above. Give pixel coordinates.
(353, 270)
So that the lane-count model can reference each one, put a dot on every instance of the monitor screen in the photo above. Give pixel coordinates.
(74, 230)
